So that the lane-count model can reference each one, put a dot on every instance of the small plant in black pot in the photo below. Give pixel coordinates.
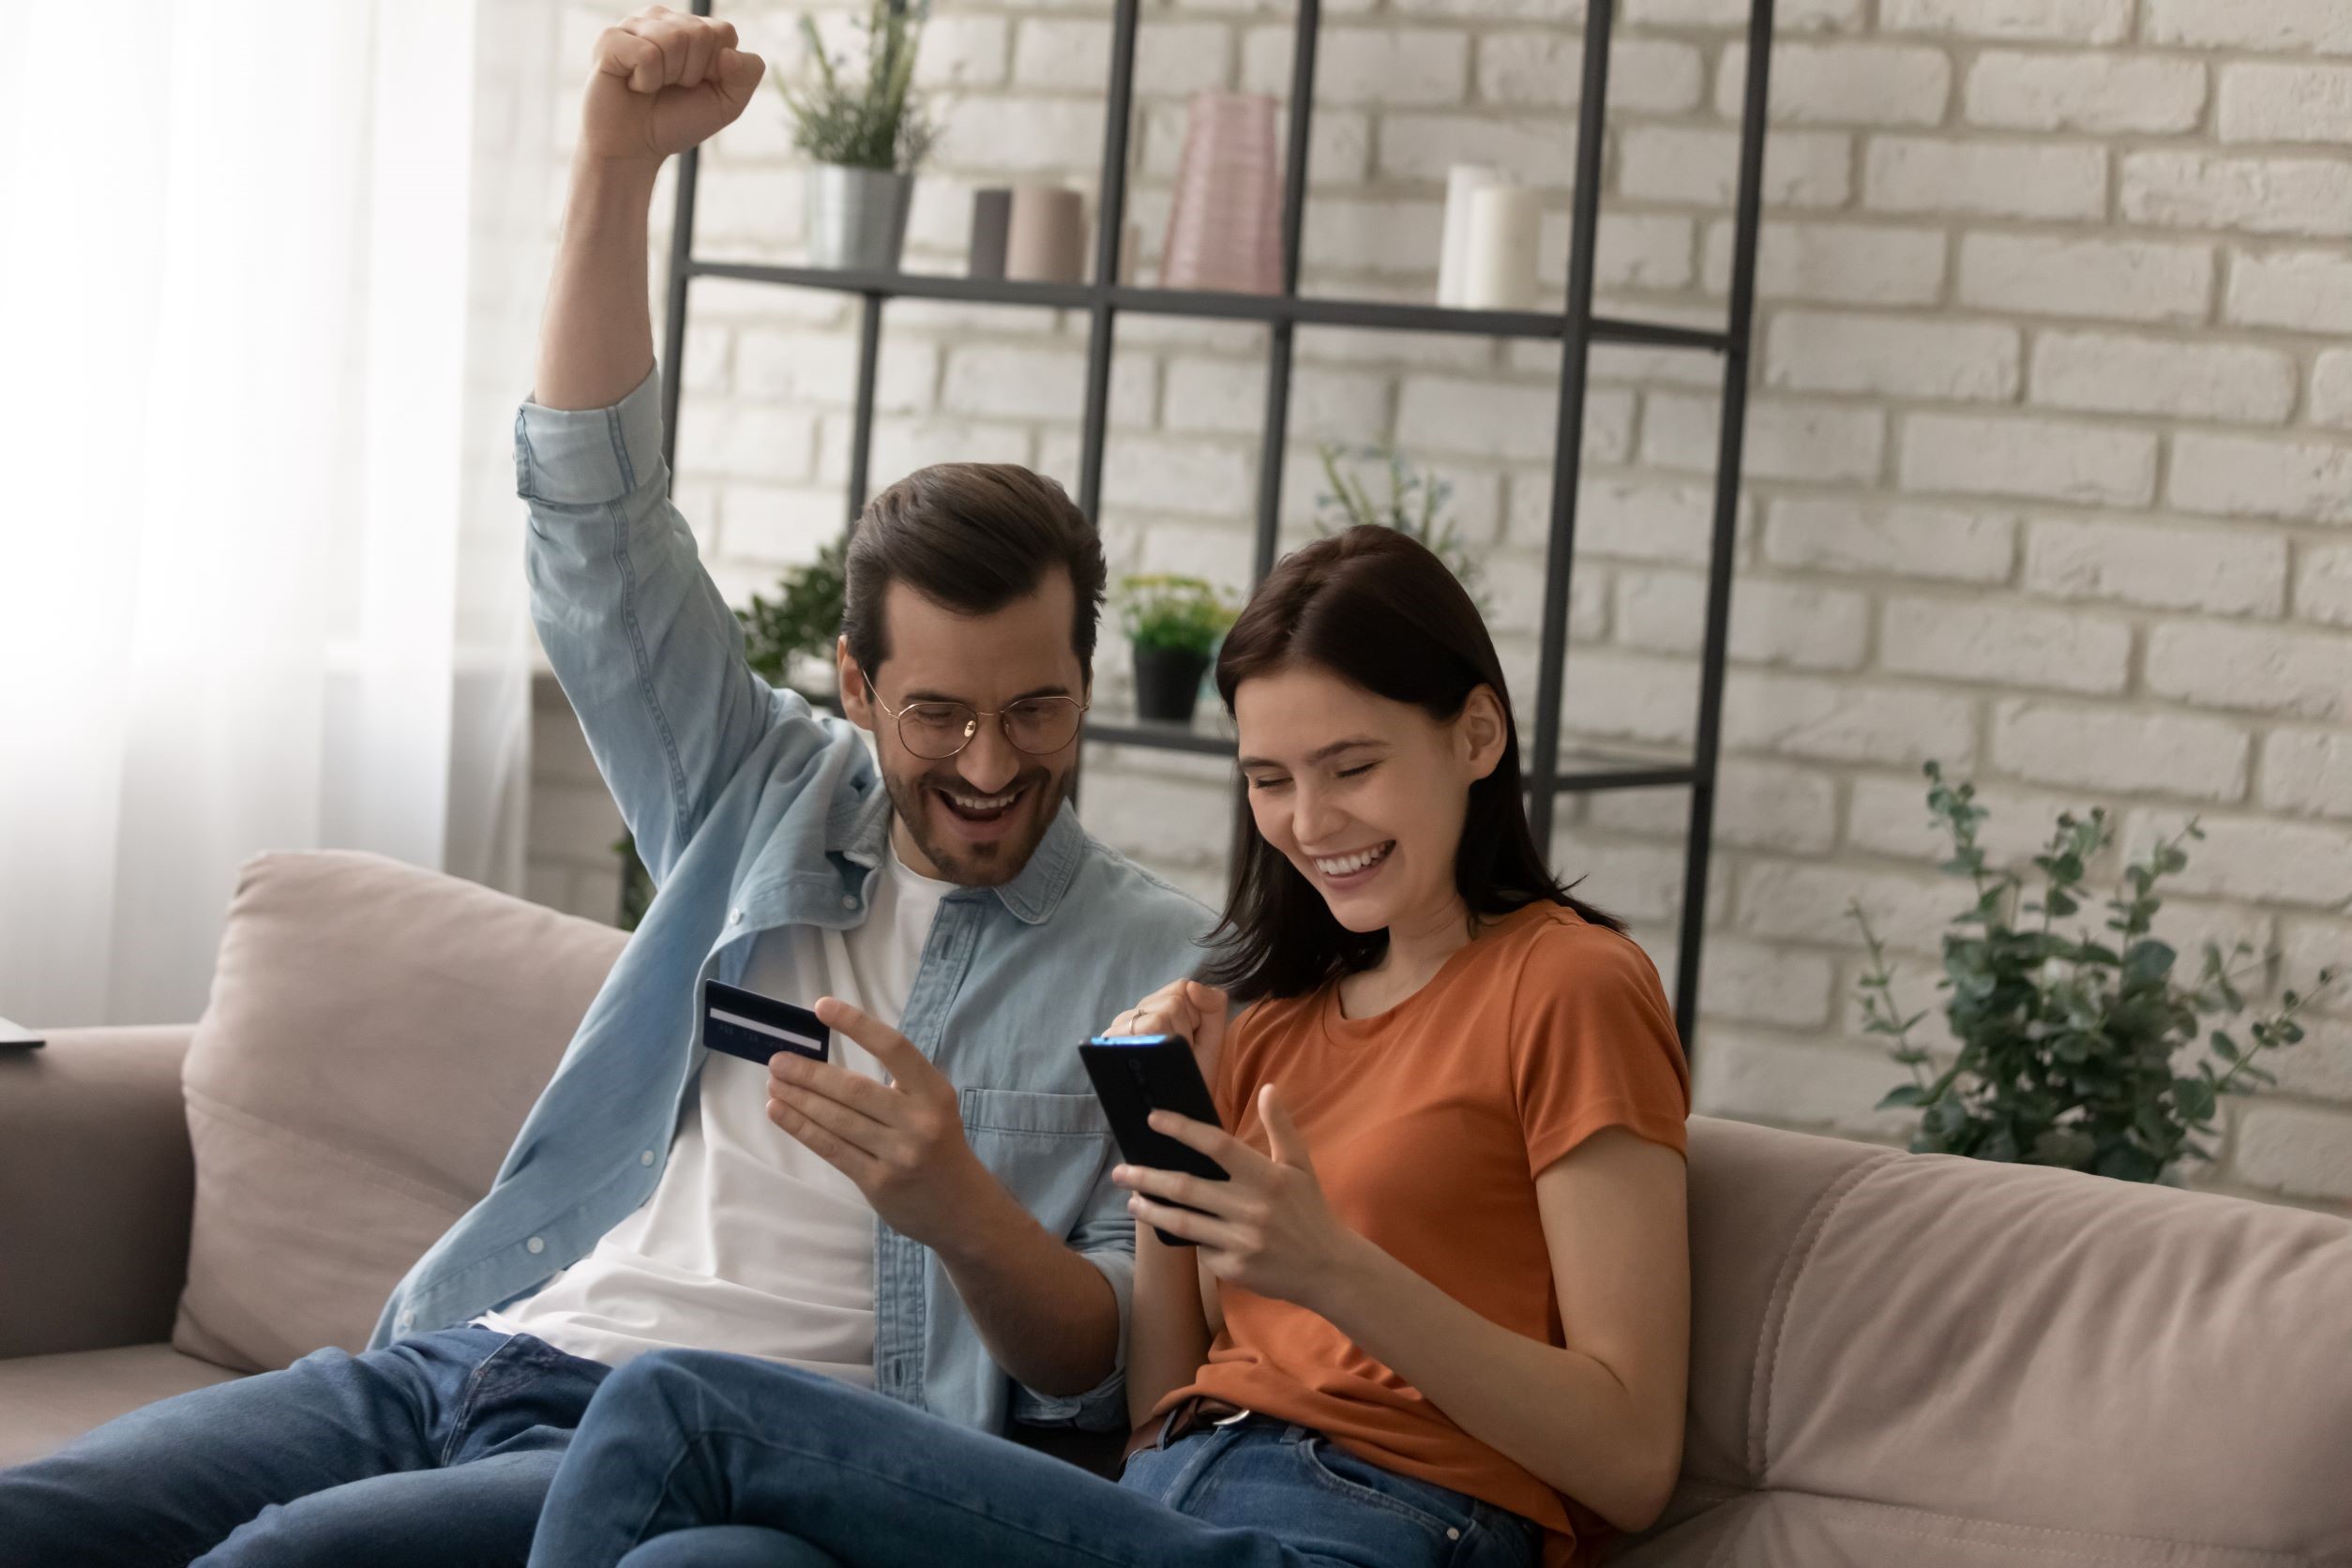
(1173, 623)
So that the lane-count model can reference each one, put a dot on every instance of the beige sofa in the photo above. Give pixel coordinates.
(1896, 1358)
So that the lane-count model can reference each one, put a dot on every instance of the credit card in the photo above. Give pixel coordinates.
(754, 1027)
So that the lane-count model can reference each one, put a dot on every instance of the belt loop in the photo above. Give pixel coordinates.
(1296, 1433)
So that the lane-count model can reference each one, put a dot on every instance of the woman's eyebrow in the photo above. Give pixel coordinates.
(1316, 756)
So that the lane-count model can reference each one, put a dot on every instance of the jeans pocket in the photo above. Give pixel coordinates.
(1445, 1514)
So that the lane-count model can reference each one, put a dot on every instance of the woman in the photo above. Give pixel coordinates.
(1445, 1289)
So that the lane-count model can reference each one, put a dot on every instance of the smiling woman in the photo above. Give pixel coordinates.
(1396, 777)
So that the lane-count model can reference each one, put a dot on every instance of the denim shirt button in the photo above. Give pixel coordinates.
(645, 1158)
(736, 919)
(537, 1244)
(1452, 1533)
(849, 900)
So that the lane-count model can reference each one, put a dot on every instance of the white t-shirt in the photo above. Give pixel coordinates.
(750, 1243)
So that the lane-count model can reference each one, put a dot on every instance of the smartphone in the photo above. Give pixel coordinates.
(1136, 1075)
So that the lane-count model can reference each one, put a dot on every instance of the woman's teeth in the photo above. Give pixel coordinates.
(1341, 865)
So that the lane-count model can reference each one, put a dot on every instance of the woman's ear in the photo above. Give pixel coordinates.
(1484, 729)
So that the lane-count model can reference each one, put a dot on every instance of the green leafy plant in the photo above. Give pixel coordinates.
(876, 123)
(805, 618)
(1414, 501)
(1166, 610)
(2068, 1043)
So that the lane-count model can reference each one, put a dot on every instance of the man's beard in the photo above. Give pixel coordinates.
(957, 860)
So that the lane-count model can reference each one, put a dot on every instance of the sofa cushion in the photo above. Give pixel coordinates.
(47, 1401)
(375, 1035)
(1981, 1363)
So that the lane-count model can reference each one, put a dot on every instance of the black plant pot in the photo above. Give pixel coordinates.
(1167, 681)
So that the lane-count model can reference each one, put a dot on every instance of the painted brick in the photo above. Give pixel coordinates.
(2256, 195)
(1545, 70)
(2061, 461)
(1700, 166)
(2323, 27)
(1845, 720)
(2121, 279)
(2067, 20)
(1833, 262)
(1903, 356)
(1843, 83)
(1785, 440)
(2107, 747)
(1421, 146)
(2003, 644)
(2308, 771)
(2323, 584)
(2229, 571)
(2304, 291)
(2223, 664)
(1872, 537)
(2102, 93)
(2259, 859)
(2332, 388)
(2000, 179)
(1424, 67)
(2266, 101)
(2113, 373)
(2301, 481)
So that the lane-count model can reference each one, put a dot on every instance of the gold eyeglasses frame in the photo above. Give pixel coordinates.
(971, 726)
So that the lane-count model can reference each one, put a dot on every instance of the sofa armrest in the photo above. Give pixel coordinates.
(97, 1184)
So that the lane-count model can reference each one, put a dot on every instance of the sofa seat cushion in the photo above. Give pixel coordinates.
(376, 1035)
(47, 1401)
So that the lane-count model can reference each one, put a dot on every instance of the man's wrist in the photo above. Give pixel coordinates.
(985, 1221)
(621, 183)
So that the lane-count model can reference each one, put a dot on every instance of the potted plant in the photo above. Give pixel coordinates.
(866, 140)
(780, 635)
(2069, 1044)
(1173, 623)
(1413, 506)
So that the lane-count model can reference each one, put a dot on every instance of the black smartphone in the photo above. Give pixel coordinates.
(1136, 1075)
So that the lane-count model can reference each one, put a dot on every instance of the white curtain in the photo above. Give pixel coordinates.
(268, 285)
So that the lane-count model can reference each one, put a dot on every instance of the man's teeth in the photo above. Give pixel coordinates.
(1341, 865)
(982, 803)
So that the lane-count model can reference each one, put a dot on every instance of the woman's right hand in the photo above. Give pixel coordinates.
(1184, 1007)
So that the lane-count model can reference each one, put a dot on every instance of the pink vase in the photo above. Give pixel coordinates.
(1225, 228)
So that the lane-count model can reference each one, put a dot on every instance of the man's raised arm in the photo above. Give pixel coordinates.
(662, 82)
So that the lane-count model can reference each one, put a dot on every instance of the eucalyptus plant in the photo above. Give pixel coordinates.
(2070, 1044)
(879, 122)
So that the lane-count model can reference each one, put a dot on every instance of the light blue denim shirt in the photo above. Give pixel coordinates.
(751, 810)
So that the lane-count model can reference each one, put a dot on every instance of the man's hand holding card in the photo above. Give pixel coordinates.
(902, 1142)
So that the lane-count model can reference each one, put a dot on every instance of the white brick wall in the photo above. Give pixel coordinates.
(2049, 461)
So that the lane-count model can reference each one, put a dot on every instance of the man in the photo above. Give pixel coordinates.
(929, 1213)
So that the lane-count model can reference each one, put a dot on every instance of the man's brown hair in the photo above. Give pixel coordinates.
(972, 537)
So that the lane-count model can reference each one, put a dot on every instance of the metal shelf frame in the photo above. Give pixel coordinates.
(1576, 326)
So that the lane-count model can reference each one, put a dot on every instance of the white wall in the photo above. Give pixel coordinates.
(2050, 464)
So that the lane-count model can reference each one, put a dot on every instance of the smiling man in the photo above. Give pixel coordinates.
(928, 1209)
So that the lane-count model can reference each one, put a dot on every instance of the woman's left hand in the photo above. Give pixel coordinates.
(1267, 1227)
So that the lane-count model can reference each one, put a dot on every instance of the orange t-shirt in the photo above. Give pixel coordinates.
(1428, 1124)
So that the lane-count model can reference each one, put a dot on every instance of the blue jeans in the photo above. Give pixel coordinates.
(682, 1449)
(436, 1448)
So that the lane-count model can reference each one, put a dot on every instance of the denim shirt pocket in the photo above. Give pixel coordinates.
(1049, 1149)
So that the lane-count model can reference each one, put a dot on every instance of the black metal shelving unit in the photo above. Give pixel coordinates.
(1575, 326)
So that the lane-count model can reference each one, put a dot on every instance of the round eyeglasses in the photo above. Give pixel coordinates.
(1039, 726)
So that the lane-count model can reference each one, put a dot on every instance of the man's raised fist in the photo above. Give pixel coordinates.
(663, 81)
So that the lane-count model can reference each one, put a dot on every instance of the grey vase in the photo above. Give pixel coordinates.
(857, 218)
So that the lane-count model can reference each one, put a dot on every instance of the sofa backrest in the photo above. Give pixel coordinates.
(374, 1038)
(1947, 1362)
